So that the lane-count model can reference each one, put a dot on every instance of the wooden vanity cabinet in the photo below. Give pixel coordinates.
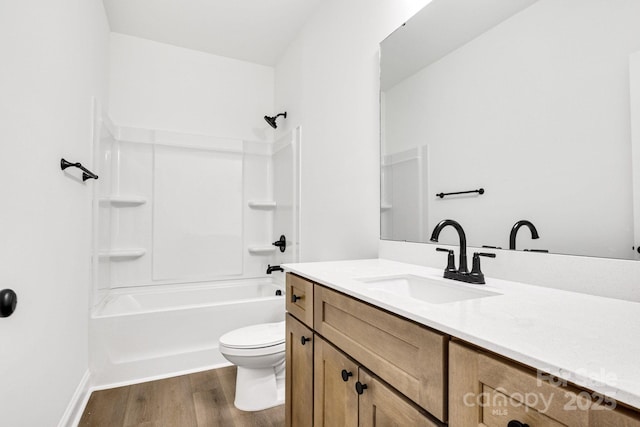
(413, 373)
(337, 401)
(298, 374)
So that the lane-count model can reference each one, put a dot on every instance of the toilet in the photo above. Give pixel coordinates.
(259, 353)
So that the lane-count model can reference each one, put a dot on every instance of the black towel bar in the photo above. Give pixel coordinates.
(441, 195)
(86, 173)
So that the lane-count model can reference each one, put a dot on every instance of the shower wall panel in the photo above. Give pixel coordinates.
(197, 214)
(286, 192)
(102, 188)
(131, 223)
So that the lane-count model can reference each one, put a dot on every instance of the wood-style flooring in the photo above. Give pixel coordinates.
(203, 399)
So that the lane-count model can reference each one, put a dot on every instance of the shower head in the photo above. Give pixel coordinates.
(272, 120)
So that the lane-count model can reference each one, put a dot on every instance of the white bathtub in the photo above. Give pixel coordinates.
(154, 332)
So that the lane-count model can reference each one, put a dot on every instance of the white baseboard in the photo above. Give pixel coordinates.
(161, 376)
(73, 413)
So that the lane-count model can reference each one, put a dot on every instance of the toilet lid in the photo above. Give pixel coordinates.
(255, 336)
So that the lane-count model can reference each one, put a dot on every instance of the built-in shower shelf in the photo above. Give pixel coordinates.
(262, 204)
(261, 250)
(123, 253)
(123, 201)
(385, 208)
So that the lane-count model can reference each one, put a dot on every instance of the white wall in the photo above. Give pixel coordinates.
(158, 86)
(54, 59)
(327, 80)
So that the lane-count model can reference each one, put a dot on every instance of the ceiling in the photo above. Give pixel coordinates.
(250, 30)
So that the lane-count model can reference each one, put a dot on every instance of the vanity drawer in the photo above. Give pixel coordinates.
(408, 356)
(299, 297)
(485, 390)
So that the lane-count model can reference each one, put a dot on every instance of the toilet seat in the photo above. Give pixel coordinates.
(264, 336)
(249, 352)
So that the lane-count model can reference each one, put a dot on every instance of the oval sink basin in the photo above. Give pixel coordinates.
(433, 291)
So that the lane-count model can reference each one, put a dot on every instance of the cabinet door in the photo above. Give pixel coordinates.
(335, 398)
(299, 374)
(379, 405)
(487, 391)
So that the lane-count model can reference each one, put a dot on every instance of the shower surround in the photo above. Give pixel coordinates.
(185, 219)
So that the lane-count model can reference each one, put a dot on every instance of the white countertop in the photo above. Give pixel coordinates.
(587, 340)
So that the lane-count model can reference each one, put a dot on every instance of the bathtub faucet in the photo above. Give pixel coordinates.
(271, 269)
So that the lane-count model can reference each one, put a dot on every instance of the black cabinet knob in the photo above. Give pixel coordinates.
(304, 340)
(515, 423)
(295, 298)
(8, 302)
(360, 388)
(346, 375)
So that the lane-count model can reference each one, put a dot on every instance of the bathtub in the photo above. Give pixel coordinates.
(139, 334)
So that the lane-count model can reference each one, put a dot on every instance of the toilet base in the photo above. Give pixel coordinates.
(258, 389)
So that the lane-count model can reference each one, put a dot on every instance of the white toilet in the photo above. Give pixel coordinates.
(258, 351)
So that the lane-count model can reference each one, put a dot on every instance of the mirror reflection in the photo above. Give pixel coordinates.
(534, 102)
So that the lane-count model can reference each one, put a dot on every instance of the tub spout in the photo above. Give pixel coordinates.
(271, 269)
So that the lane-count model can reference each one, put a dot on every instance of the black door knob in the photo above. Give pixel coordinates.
(346, 375)
(8, 302)
(515, 423)
(304, 340)
(360, 388)
(295, 298)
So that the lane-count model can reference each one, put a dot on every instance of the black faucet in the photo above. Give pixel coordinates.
(271, 269)
(516, 227)
(462, 274)
(463, 241)
(476, 274)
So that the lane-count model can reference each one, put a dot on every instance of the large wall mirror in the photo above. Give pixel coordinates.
(535, 102)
